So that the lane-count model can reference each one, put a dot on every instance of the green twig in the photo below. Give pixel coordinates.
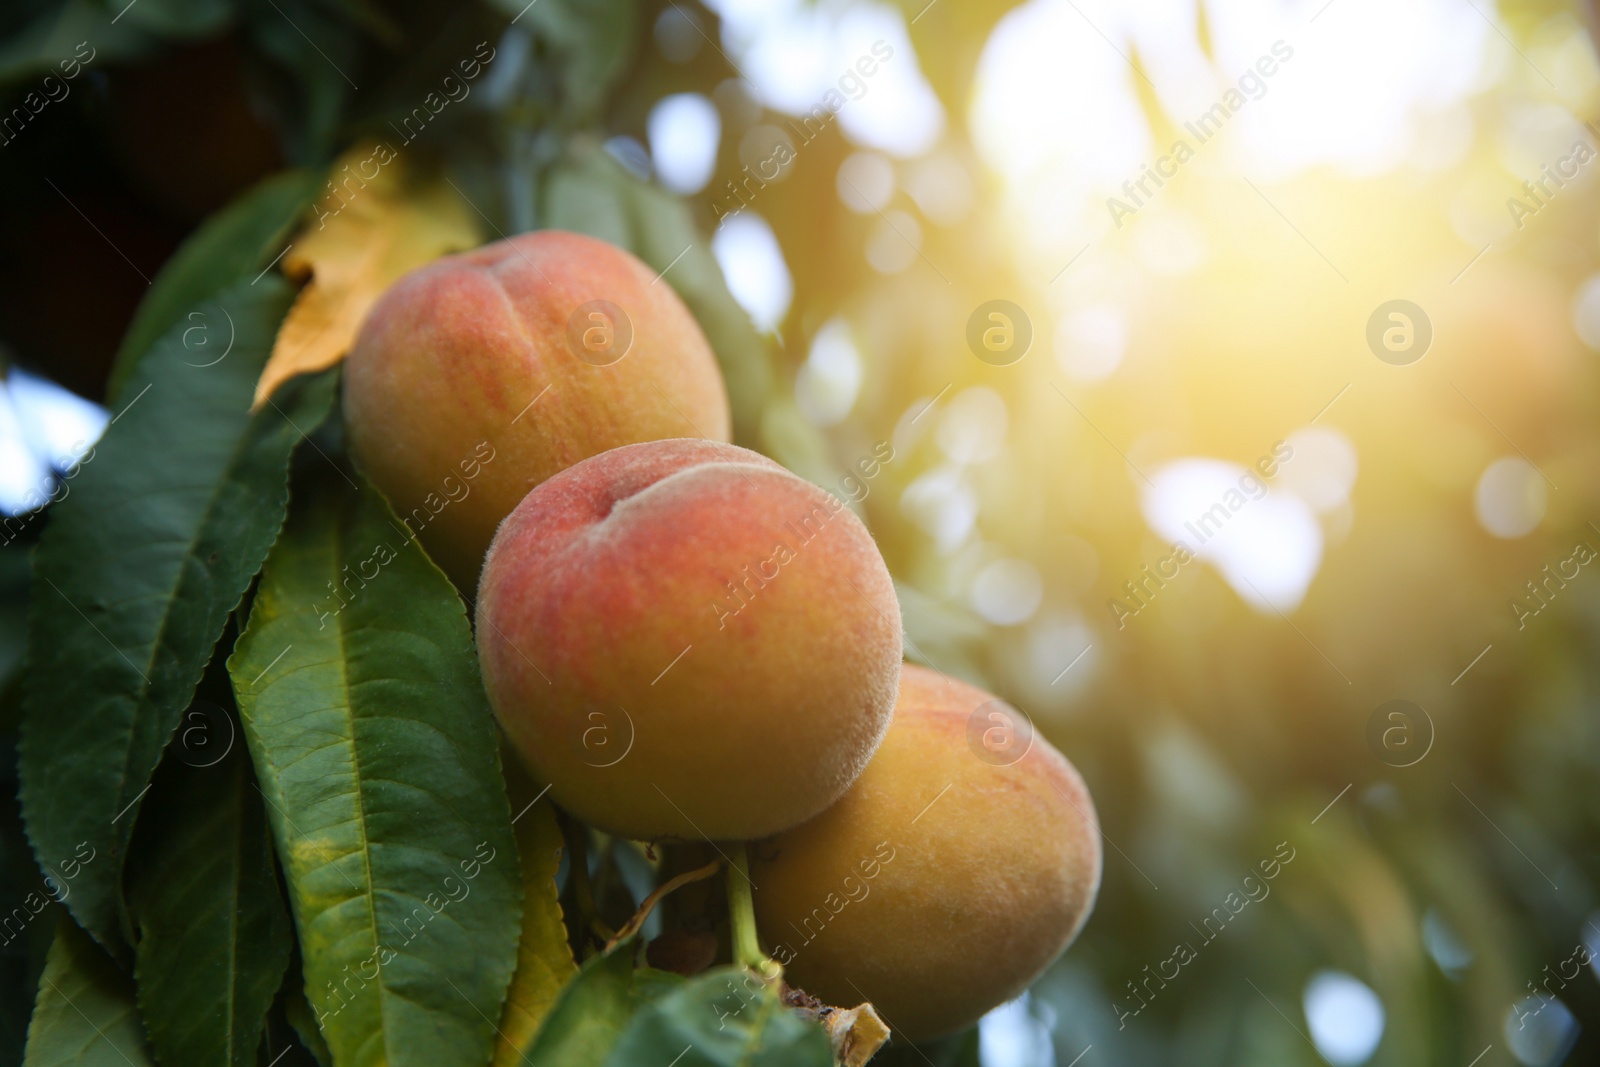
(742, 915)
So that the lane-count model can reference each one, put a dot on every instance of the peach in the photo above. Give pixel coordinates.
(686, 640)
(958, 867)
(477, 377)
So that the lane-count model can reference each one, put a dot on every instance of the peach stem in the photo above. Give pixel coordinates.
(742, 916)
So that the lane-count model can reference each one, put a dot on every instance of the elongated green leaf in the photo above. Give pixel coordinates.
(213, 931)
(544, 959)
(22, 950)
(590, 1014)
(664, 231)
(84, 1015)
(297, 1010)
(723, 1018)
(163, 526)
(301, 51)
(234, 244)
(588, 43)
(590, 192)
(179, 18)
(65, 30)
(375, 748)
(107, 30)
(584, 193)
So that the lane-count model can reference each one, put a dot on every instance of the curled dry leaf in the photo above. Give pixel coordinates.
(855, 1034)
(372, 224)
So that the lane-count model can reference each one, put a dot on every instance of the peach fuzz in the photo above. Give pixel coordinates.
(942, 884)
(686, 640)
(438, 386)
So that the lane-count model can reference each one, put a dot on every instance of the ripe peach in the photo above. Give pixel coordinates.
(686, 640)
(961, 863)
(477, 377)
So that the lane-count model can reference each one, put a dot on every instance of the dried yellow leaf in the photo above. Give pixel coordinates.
(544, 962)
(370, 227)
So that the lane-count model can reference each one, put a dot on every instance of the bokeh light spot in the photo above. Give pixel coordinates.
(684, 130)
(1267, 546)
(1322, 469)
(1540, 1031)
(1091, 341)
(973, 425)
(1007, 592)
(1510, 498)
(753, 266)
(866, 182)
(1345, 1017)
(828, 381)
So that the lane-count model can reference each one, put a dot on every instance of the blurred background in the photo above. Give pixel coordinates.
(1239, 365)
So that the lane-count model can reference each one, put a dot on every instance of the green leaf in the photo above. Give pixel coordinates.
(235, 243)
(374, 745)
(723, 1018)
(665, 231)
(302, 57)
(591, 1013)
(214, 937)
(793, 440)
(589, 192)
(544, 959)
(84, 1015)
(765, 417)
(163, 526)
(37, 46)
(584, 193)
(297, 1010)
(176, 18)
(589, 43)
(16, 587)
(25, 937)
(661, 232)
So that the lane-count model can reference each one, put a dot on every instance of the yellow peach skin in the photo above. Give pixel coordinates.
(686, 640)
(439, 383)
(948, 877)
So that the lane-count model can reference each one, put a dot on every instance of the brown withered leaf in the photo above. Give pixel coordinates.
(370, 227)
